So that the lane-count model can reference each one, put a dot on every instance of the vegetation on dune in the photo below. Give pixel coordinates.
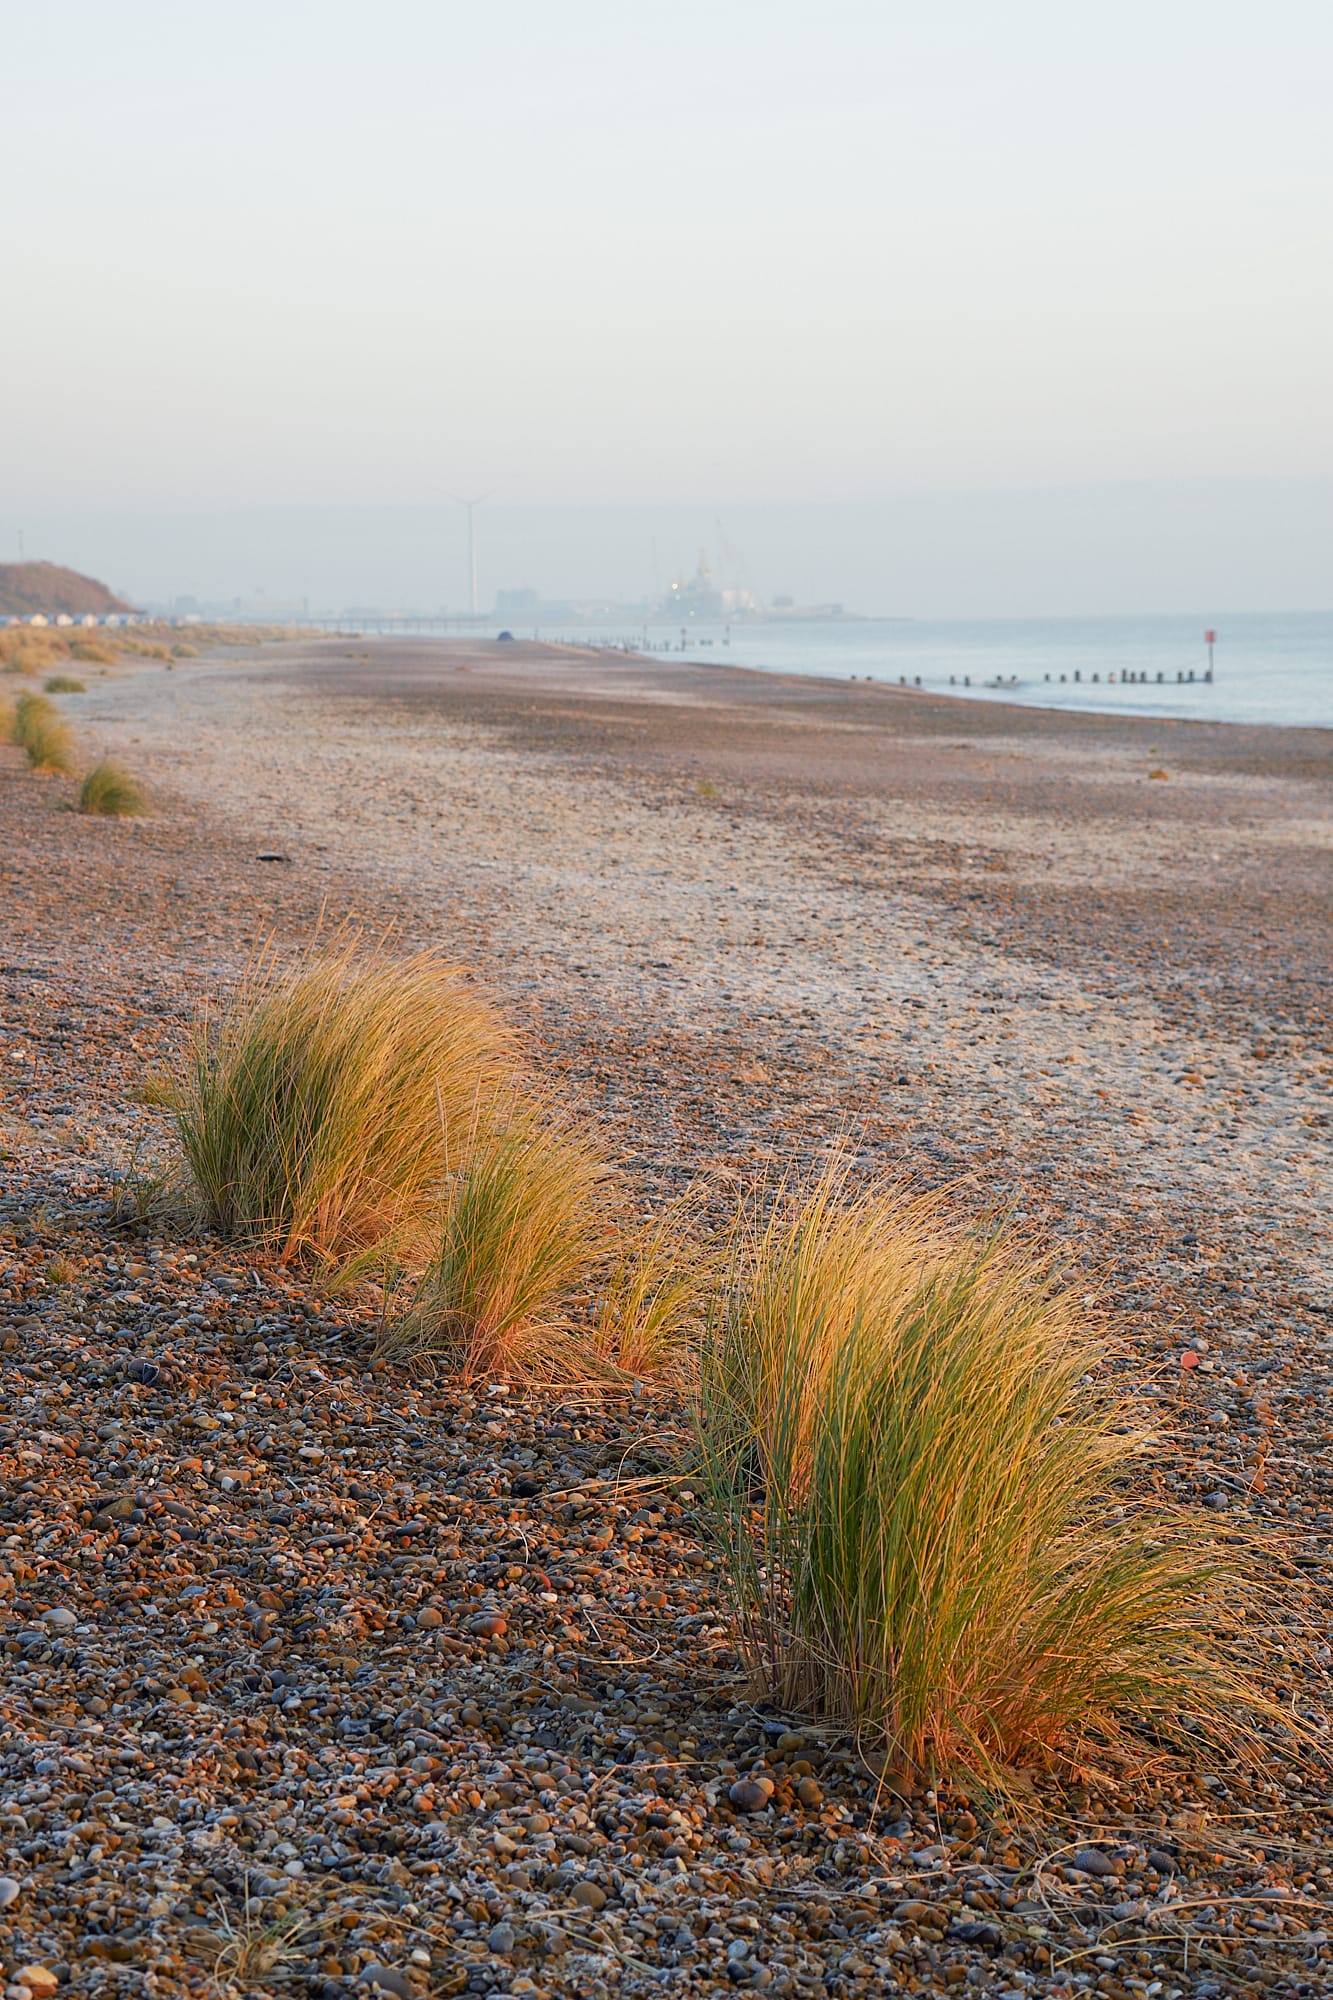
(93, 652)
(320, 1111)
(64, 684)
(923, 1497)
(111, 791)
(43, 733)
(25, 650)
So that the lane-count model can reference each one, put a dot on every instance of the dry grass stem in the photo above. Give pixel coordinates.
(654, 1301)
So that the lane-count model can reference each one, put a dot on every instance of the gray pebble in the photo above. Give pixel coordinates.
(10, 1891)
(387, 1979)
(1091, 1861)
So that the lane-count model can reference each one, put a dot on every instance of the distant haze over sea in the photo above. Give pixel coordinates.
(1211, 547)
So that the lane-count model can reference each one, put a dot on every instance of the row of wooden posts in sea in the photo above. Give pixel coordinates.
(1127, 679)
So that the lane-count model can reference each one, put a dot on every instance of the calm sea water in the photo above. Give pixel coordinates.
(1276, 669)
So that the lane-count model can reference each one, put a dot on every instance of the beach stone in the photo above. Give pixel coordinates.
(387, 1979)
(60, 1618)
(1164, 1863)
(1091, 1861)
(501, 1939)
(489, 1625)
(751, 1795)
(589, 1896)
(810, 1794)
(40, 1981)
(10, 1891)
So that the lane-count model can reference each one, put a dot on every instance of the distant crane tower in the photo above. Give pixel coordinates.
(472, 506)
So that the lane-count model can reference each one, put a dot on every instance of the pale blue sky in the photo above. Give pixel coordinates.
(293, 254)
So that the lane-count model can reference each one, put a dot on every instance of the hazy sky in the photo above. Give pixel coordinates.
(291, 254)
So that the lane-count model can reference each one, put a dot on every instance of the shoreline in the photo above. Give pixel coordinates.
(963, 695)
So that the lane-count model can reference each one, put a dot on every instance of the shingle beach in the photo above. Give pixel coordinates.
(321, 1674)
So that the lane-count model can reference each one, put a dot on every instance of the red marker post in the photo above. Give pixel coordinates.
(1210, 640)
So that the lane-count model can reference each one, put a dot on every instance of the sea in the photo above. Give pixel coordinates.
(1270, 668)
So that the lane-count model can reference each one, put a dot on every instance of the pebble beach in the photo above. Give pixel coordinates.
(322, 1676)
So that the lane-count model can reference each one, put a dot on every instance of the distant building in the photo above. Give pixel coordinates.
(519, 604)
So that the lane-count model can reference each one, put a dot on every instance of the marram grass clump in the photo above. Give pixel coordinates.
(322, 1111)
(43, 733)
(926, 1502)
(110, 791)
(64, 684)
(526, 1221)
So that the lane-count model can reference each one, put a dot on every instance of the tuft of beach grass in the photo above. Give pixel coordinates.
(926, 1498)
(317, 1110)
(111, 792)
(43, 733)
(527, 1221)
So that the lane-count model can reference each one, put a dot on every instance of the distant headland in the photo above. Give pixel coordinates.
(28, 589)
